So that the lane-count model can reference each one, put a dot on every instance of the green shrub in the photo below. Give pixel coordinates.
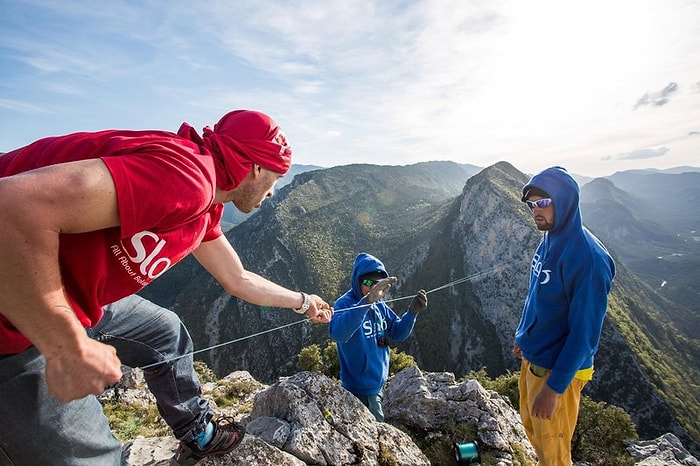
(231, 393)
(128, 421)
(600, 433)
(399, 361)
(204, 372)
(310, 359)
(331, 361)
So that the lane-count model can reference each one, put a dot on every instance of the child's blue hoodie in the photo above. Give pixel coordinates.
(570, 278)
(364, 365)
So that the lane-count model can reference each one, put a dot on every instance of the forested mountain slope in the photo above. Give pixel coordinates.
(480, 239)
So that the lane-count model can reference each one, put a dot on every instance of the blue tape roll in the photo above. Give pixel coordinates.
(467, 453)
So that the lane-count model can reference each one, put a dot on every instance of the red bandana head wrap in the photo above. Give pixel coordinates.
(240, 139)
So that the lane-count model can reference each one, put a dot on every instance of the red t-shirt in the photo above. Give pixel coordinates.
(165, 190)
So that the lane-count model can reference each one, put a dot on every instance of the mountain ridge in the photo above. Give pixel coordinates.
(308, 234)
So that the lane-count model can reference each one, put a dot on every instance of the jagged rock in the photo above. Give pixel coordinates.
(304, 419)
(430, 400)
(666, 450)
(310, 419)
(313, 418)
(252, 452)
(155, 451)
(130, 389)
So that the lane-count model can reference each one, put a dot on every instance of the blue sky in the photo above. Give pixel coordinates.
(596, 86)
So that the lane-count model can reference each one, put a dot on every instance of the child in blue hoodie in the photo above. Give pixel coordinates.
(570, 277)
(362, 324)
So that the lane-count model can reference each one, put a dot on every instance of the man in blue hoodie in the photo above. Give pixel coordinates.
(362, 324)
(570, 277)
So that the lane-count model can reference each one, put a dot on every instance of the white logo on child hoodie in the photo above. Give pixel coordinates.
(371, 330)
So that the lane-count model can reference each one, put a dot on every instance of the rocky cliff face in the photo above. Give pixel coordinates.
(490, 237)
(309, 419)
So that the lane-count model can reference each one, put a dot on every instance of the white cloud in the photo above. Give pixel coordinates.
(19, 106)
(643, 153)
(657, 99)
(535, 83)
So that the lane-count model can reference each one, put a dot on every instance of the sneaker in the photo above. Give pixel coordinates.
(227, 435)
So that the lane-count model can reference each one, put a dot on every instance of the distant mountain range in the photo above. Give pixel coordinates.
(233, 217)
(652, 222)
(440, 223)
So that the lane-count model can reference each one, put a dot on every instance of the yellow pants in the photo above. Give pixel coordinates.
(551, 438)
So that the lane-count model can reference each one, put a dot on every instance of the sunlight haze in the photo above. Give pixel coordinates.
(596, 86)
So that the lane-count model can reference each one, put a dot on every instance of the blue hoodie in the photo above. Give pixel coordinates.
(570, 278)
(364, 365)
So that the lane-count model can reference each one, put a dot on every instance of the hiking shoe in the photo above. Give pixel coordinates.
(227, 435)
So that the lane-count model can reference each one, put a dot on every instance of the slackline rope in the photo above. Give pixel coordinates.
(448, 285)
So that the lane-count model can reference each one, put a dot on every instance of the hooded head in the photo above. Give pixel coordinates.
(557, 184)
(240, 139)
(366, 266)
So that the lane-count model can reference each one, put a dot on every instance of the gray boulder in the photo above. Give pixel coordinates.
(666, 450)
(311, 417)
(429, 400)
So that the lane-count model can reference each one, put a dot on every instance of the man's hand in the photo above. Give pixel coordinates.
(86, 369)
(319, 311)
(419, 303)
(545, 403)
(517, 351)
(379, 288)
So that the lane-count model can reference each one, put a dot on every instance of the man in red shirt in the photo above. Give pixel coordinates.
(89, 219)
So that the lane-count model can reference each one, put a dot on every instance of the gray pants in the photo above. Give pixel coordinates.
(36, 429)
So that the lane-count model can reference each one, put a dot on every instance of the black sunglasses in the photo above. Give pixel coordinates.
(541, 203)
(368, 282)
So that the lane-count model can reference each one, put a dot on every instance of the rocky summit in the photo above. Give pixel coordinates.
(468, 240)
(308, 419)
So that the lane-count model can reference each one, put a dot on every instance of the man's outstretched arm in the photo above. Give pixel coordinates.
(222, 261)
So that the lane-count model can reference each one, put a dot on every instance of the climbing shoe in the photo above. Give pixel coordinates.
(227, 435)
